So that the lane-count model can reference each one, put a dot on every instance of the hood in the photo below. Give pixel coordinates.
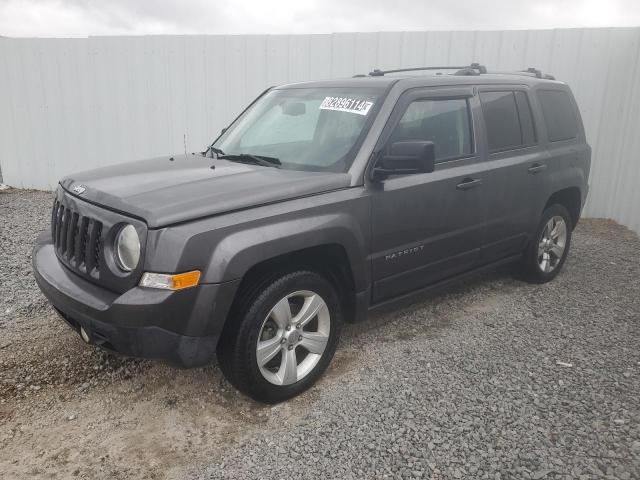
(168, 190)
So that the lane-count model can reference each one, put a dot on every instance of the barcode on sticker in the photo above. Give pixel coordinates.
(344, 104)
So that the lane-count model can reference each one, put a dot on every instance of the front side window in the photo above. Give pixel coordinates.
(316, 129)
(445, 122)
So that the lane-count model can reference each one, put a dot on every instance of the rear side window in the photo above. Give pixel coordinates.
(559, 115)
(445, 122)
(526, 118)
(507, 116)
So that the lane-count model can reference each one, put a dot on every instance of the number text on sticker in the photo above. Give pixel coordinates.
(343, 104)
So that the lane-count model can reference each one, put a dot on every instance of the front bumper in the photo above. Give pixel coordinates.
(181, 327)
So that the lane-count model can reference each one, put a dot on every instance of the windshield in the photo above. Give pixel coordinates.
(304, 128)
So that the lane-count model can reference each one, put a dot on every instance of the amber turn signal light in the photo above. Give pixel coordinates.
(178, 281)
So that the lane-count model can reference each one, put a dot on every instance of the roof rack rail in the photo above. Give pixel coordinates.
(539, 74)
(473, 69)
(521, 73)
(529, 72)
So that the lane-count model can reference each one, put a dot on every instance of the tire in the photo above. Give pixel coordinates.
(299, 317)
(535, 269)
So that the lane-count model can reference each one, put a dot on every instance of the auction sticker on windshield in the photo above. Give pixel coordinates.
(344, 104)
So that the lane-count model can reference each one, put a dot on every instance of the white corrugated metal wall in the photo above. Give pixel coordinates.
(72, 104)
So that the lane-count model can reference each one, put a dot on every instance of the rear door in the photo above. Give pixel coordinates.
(429, 226)
(517, 170)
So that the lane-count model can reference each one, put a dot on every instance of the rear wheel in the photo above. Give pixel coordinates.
(283, 338)
(548, 251)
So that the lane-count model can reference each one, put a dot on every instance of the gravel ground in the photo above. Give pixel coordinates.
(493, 379)
(23, 215)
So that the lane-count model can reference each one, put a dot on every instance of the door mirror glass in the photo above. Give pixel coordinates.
(403, 158)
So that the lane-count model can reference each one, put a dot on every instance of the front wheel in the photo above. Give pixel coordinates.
(283, 338)
(548, 250)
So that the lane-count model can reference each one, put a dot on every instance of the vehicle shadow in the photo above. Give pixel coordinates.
(430, 312)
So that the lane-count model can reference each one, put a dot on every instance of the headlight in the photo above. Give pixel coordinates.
(127, 248)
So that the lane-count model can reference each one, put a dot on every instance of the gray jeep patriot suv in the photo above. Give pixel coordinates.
(320, 202)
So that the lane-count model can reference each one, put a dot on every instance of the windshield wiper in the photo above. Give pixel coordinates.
(213, 150)
(250, 158)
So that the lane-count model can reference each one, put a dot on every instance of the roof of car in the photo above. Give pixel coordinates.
(427, 77)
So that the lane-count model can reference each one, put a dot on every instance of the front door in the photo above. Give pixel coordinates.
(429, 226)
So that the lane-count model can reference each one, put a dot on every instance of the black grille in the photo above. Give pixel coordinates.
(77, 239)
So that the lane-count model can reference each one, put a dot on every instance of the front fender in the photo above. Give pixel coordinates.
(225, 247)
(241, 250)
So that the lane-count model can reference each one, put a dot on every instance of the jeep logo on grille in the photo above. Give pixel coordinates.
(79, 189)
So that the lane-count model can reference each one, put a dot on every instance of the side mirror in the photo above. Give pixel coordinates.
(405, 158)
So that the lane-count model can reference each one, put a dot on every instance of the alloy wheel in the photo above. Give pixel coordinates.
(293, 337)
(552, 244)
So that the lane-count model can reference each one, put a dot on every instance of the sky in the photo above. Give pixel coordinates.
(77, 18)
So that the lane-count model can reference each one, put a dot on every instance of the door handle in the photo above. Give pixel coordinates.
(468, 183)
(537, 167)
